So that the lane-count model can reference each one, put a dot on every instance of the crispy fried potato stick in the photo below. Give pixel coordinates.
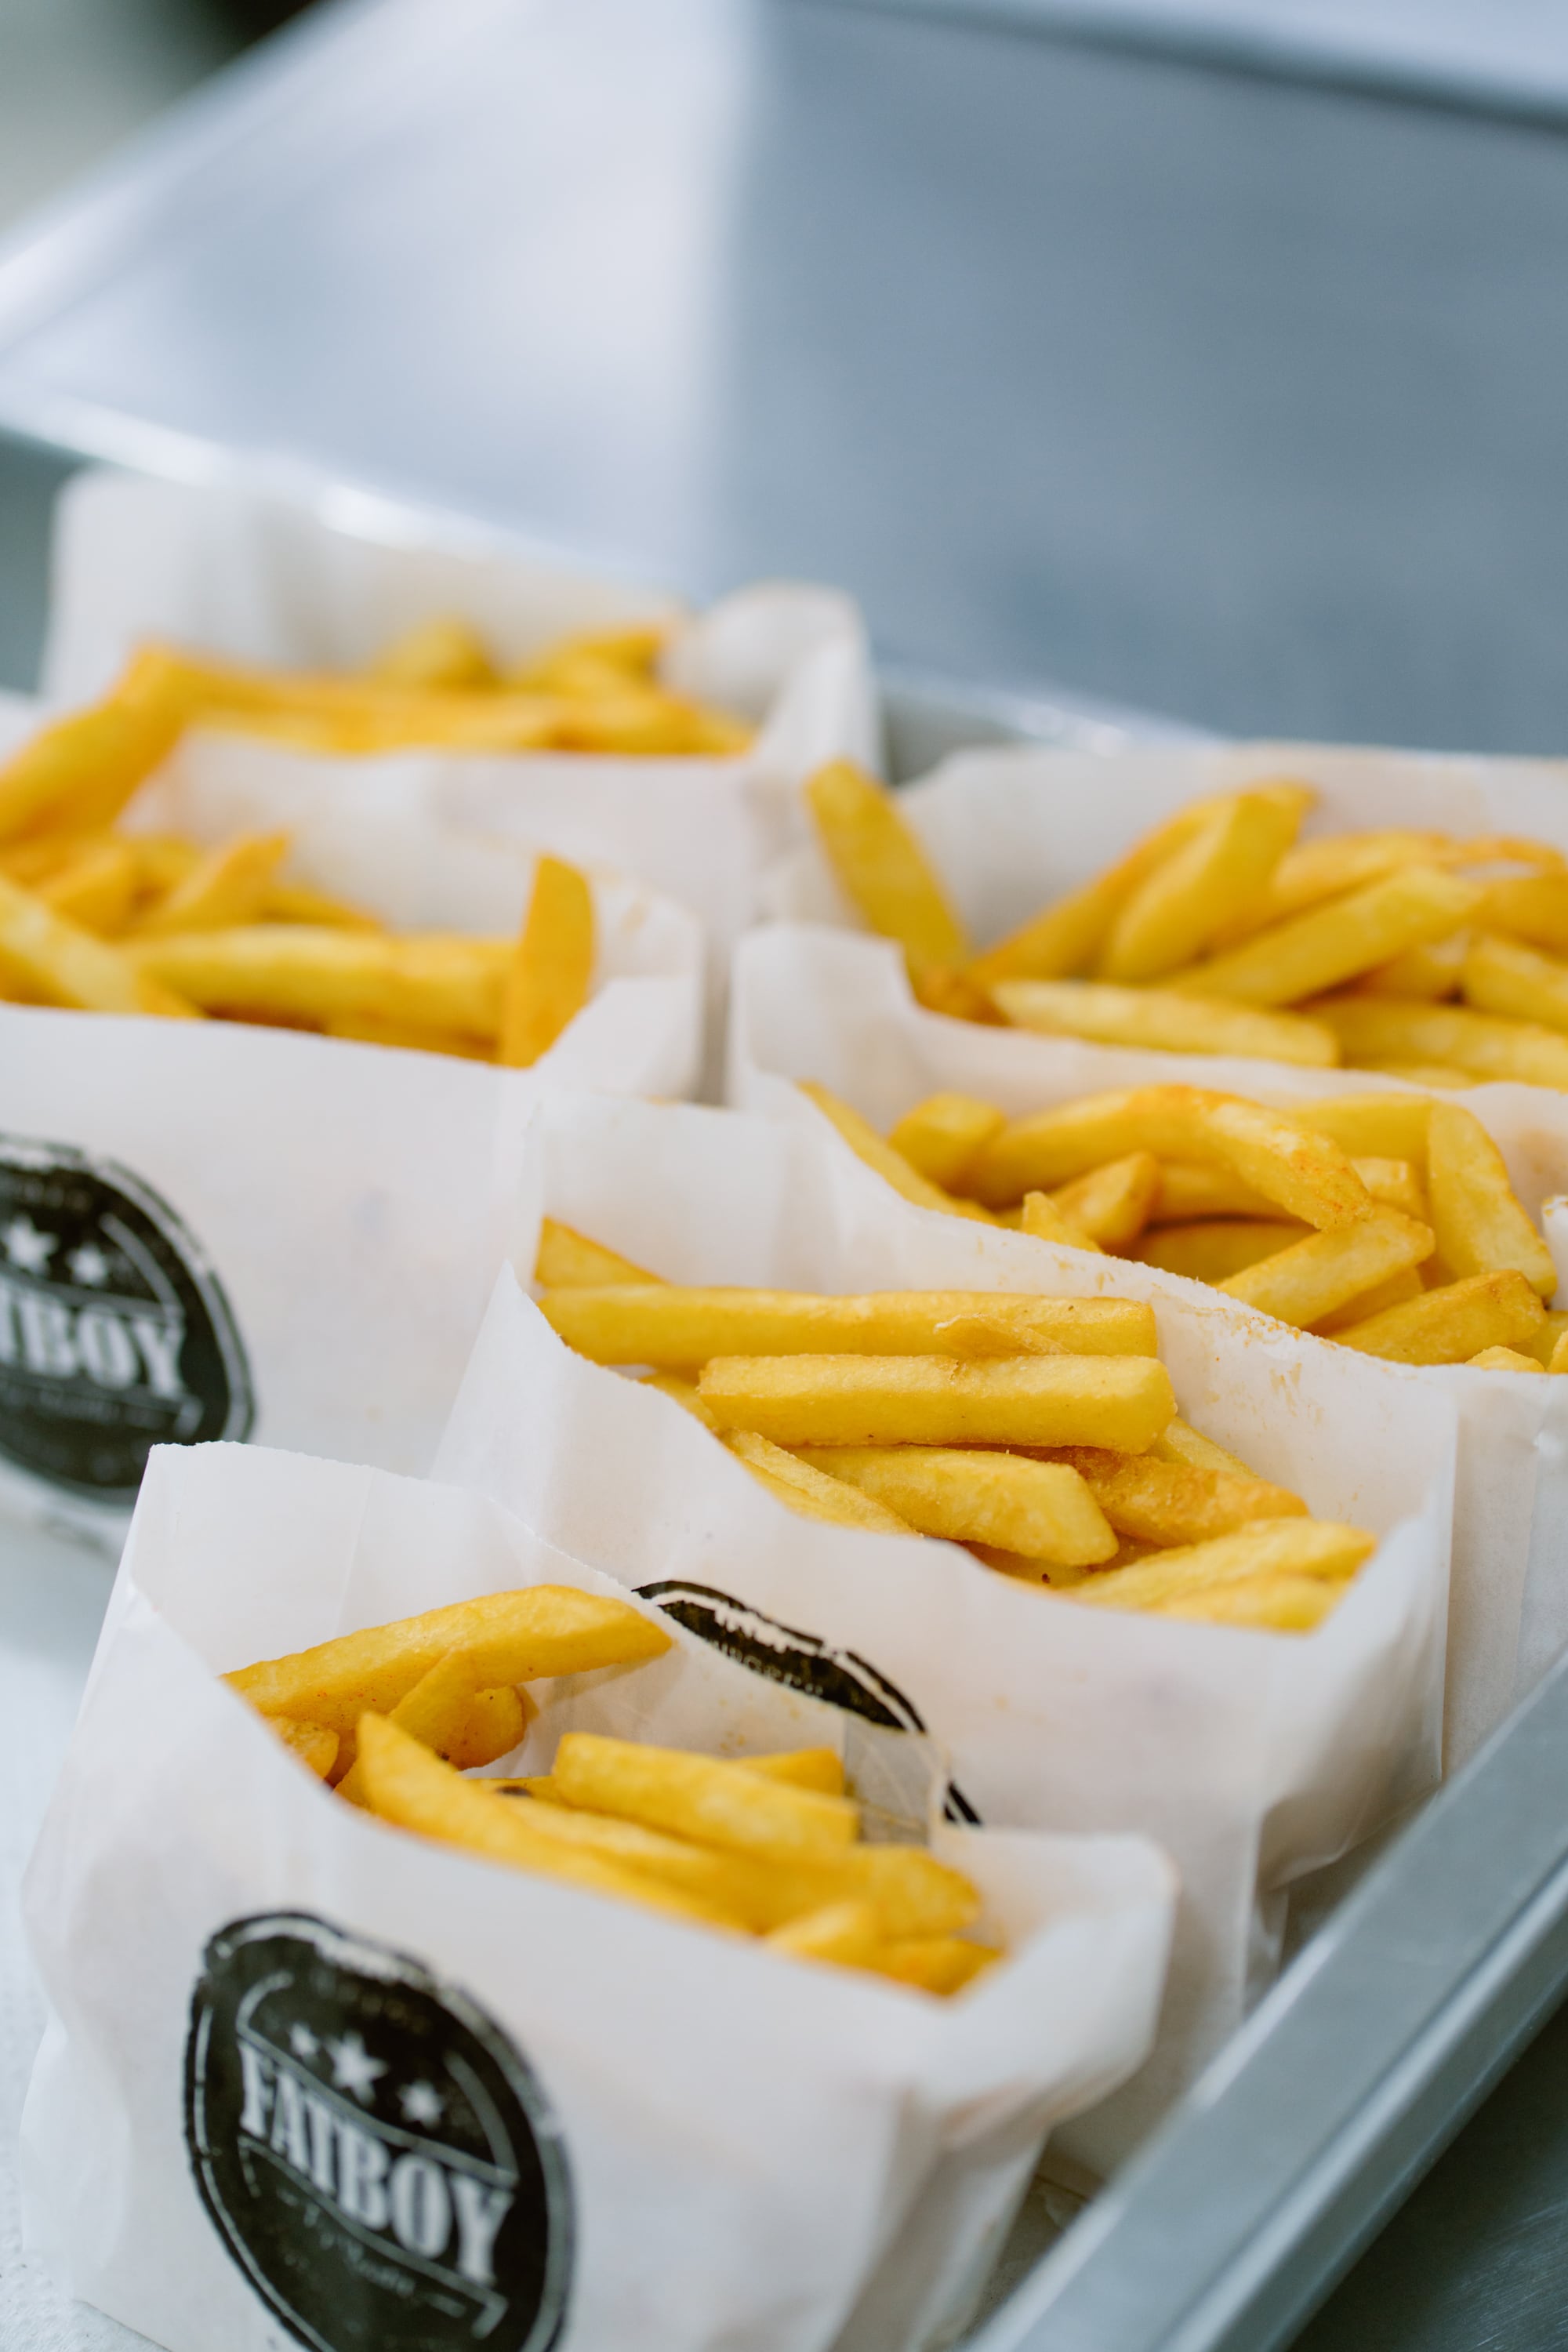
(943, 988)
(1040, 1217)
(1276, 1604)
(81, 771)
(1450, 1325)
(1395, 1184)
(466, 1710)
(1504, 1360)
(1479, 1222)
(1301, 1171)
(810, 1491)
(444, 652)
(404, 1783)
(296, 902)
(804, 1768)
(881, 865)
(1388, 1127)
(944, 1965)
(555, 1629)
(1530, 906)
(942, 1136)
(1408, 1284)
(1374, 1029)
(1544, 1340)
(1180, 1442)
(1316, 1548)
(1177, 912)
(1163, 1020)
(1433, 972)
(667, 1325)
(66, 966)
(591, 661)
(1318, 870)
(1218, 1248)
(967, 1495)
(228, 887)
(568, 1259)
(1121, 1401)
(287, 971)
(1189, 1190)
(702, 1798)
(1518, 982)
(408, 1037)
(843, 1935)
(1165, 1502)
(681, 1391)
(865, 1144)
(551, 970)
(1314, 1276)
(1332, 943)
(97, 889)
(1112, 1203)
(312, 1743)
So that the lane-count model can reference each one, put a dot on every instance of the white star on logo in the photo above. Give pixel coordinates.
(420, 2101)
(89, 1267)
(302, 2041)
(353, 2068)
(26, 1246)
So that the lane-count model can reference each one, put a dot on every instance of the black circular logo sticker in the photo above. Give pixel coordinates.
(374, 2154)
(115, 1335)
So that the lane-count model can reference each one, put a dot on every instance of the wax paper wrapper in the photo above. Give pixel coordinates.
(1251, 1758)
(835, 1006)
(307, 2077)
(258, 579)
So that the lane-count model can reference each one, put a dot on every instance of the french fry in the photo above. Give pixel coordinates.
(881, 866)
(1277, 1604)
(466, 1708)
(1315, 871)
(1300, 1170)
(81, 769)
(312, 1743)
(594, 659)
(1027, 1570)
(1164, 1021)
(1121, 1401)
(1406, 1283)
(698, 1797)
(550, 970)
(808, 1490)
(568, 1259)
(1544, 1340)
(1312, 1277)
(943, 988)
(1530, 906)
(1388, 1127)
(297, 902)
(1506, 977)
(1450, 1325)
(804, 1768)
(942, 1136)
(1172, 917)
(404, 1783)
(1558, 1359)
(1332, 943)
(680, 1392)
(1377, 1029)
(1504, 1360)
(66, 966)
(1040, 1217)
(97, 889)
(286, 971)
(444, 652)
(1112, 1204)
(1043, 1509)
(664, 1324)
(550, 1629)
(1395, 1184)
(865, 1144)
(1290, 1547)
(229, 886)
(1163, 1502)
(408, 1037)
(1189, 1190)
(1433, 972)
(1478, 1220)
(1220, 1247)
(939, 1964)
(1180, 1442)
(1065, 936)
(844, 1935)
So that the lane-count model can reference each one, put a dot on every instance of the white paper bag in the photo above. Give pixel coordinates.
(837, 1007)
(1252, 1758)
(262, 579)
(307, 2076)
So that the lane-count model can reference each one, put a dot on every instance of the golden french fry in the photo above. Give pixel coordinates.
(1219, 1247)
(1312, 1277)
(1026, 1570)
(699, 1797)
(550, 1629)
(1315, 871)
(228, 887)
(1176, 913)
(865, 1144)
(1112, 1204)
(808, 1490)
(845, 1935)
(1315, 1548)
(621, 654)
(1505, 977)
(1450, 1325)
(404, 1782)
(804, 1768)
(408, 1037)
(1504, 1360)
(1558, 1359)
(1478, 1220)
(328, 712)
(550, 970)
(1387, 1127)
(296, 902)
(466, 1710)
(1378, 1029)
(1395, 1184)
(97, 889)
(1163, 1502)
(445, 651)
(568, 1259)
(665, 1324)
(1041, 1218)
(1407, 1283)
(1189, 1190)
(881, 866)
(294, 971)
(1180, 1442)
(752, 1895)
(67, 966)
(1330, 944)
(939, 1964)
(312, 1743)
(943, 988)
(1122, 1402)
(1530, 906)
(680, 1392)
(1295, 1167)
(967, 1495)
(943, 1134)
(1543, 1342)
(1163, 1020)
(81, 769)
(1433, 972)
(1278, 1604)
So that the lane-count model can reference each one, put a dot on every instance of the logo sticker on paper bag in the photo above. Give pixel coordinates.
(115, 1335)
(374, 2152)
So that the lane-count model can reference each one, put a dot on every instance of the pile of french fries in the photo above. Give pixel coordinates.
(398, 1717)
(1040, 1432)
(1439, 960)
